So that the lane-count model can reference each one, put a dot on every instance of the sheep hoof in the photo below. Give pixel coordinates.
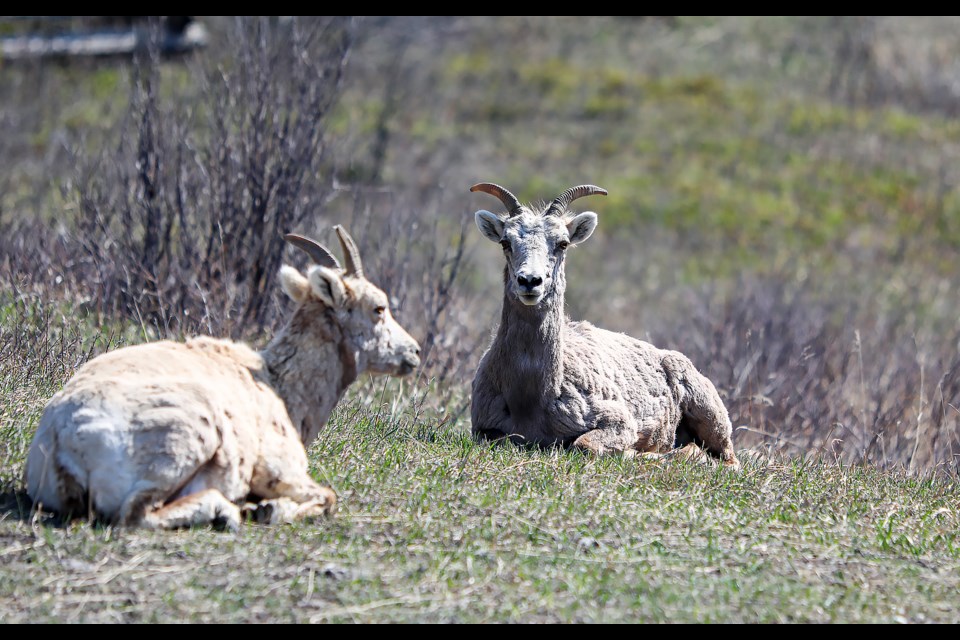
(276, 511)
(732, 463)
(689, 453)
(586, 444)
(227, 518)
(316, 508)
(285, 511)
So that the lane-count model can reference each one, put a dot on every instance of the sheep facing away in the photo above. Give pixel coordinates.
(167, 434)
(546, 380)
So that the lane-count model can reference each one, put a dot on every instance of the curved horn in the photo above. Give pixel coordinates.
(508, 199)
(558, 206)
(351, 255)
(317, 252)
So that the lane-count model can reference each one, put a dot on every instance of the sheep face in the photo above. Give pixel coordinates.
(374, 333)
(534, 246)
(363, 313)
(362, 310)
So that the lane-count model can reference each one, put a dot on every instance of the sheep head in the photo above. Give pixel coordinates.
(361, 309)
(535, 240)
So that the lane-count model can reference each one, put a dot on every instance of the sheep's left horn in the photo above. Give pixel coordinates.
(558, 206)
(317, 252)
(509, 200)
(351, 255)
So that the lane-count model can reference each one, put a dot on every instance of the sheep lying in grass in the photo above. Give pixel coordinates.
(547, 380)
(168, 434)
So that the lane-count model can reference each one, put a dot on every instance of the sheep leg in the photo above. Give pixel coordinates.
(318, 501)
(281, 479)
(690, 452)
(292, 498)
(709, 422)
(286, 510)
(204, 507)
(603, 441)
(308, 492)
(616, 431)
(704, 413)
(489, 414)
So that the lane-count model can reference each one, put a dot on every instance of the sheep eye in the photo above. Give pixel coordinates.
(380, 311)
(562, 245)
(505, 244)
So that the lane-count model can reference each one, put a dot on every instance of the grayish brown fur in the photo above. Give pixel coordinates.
(548, 380)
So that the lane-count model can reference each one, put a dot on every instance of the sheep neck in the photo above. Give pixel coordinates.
(530, 339)
(310, 364)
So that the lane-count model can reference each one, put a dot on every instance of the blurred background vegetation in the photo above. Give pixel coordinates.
(784, 202)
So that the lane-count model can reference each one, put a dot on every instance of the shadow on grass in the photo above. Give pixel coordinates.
(497, 439)
(17, 505)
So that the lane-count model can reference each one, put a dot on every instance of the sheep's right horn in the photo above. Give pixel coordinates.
(508, 199)
(558, 206)
(351, 255)
(317, 252)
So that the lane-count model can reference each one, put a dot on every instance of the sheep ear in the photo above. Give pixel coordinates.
(294, 284)
(327, 284)
(582, 226)
(490, 225)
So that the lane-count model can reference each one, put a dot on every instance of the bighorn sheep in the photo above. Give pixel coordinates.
(168, 434)
(546, 380)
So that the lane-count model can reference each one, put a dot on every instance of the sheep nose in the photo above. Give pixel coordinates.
(529, 282)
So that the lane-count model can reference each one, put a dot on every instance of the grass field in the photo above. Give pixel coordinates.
(433, 527)
(784, 208)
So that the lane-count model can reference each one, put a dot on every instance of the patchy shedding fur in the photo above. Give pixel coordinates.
(546, 380)
(169, 434)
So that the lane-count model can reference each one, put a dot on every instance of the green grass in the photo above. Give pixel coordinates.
(433, 527)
